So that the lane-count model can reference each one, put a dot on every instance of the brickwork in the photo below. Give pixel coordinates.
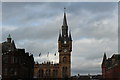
(111, 68)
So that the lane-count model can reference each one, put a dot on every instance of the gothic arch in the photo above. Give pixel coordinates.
(64, 71)
(41, 73)
(64, 59)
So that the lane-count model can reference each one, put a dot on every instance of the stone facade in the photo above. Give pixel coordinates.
(63, 68)
(111, 67)
(16, 64)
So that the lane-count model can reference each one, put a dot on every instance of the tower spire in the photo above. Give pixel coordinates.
(65, 48)
(64, 20)
(64, 26)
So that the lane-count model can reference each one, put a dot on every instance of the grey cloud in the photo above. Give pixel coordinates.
(31, 33)
(36, 46)
(91, 27)
(35, 27)
(61, 1)
(23, 12)
(86, 67)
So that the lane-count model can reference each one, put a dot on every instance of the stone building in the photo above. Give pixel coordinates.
(111, 67)
(16, 64)
(63, 68)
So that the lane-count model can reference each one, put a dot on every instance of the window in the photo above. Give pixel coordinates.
(40, 73)
(12, 71)
(5, 71)
(64, 59)
(55, 73)
(12, 59)
(5, 59)
(64, 71)
(15, 60)
(15, 71)
(48, 72)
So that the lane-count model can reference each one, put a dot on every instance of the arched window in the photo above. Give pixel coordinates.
(12, 71)
(41, 73)
(5, 59)
(55, 73)
(5, 71)
(64, 71)
(48, 72)
(64, 59)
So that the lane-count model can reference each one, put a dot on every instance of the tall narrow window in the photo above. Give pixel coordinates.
(15, 72)
(12, 59)
(64, 59)
(5, 71)
(5, 59)
(64, 71)
(15, 60)
(40, 73)
(48, 72)
(12, 71)
(55, 73)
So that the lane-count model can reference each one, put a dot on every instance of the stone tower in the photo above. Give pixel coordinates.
(64, 49)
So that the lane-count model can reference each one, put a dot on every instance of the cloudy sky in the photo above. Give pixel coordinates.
(35, 27)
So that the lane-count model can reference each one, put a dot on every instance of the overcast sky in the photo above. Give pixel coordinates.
(35, 27)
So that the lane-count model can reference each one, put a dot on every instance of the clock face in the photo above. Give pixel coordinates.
(65, 50)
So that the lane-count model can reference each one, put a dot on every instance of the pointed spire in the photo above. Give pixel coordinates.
(64, 20)
(64, 26)
(70, 38)
(104, 58)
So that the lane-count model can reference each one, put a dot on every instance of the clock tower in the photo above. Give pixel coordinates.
(64, 49)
